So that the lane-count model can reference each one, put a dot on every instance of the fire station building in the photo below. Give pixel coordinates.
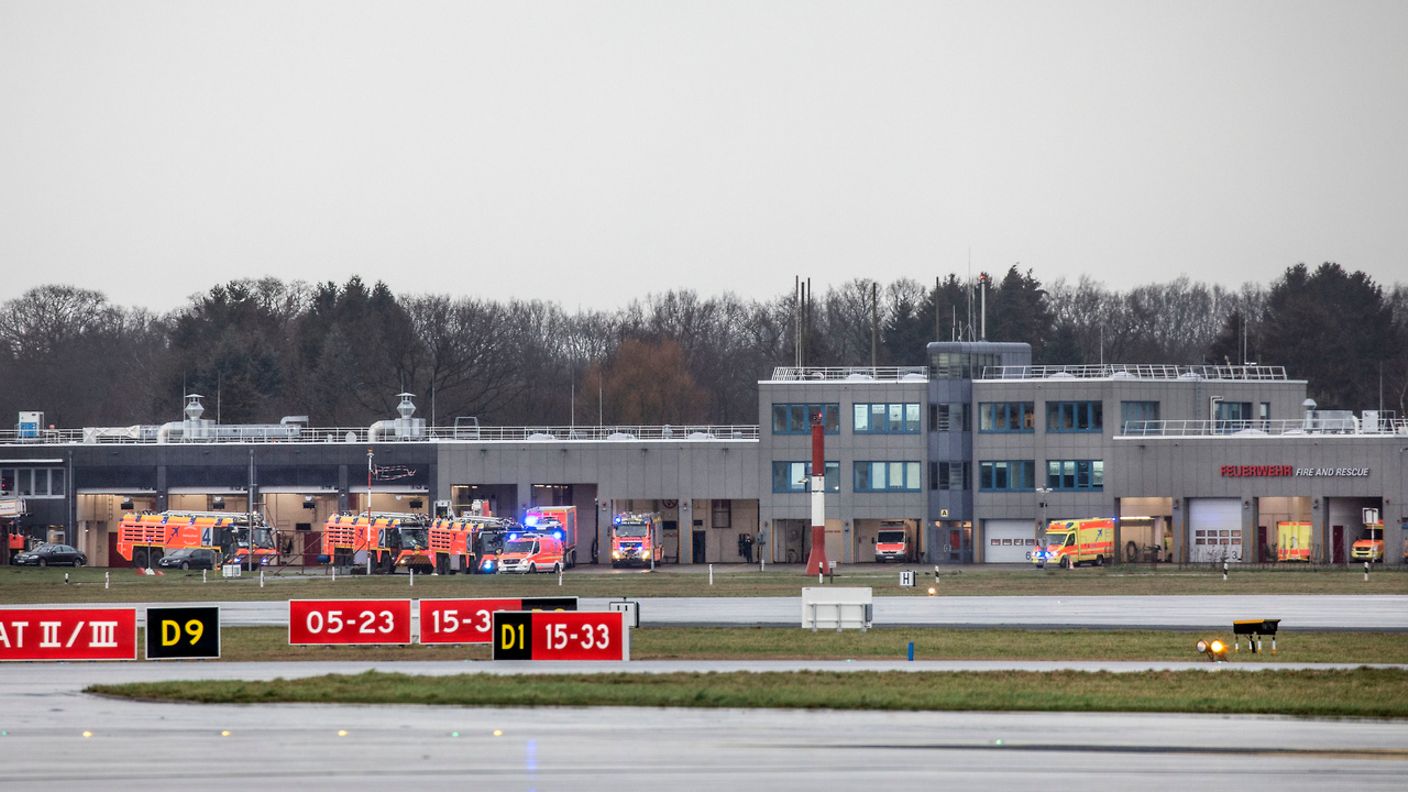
(970, 455)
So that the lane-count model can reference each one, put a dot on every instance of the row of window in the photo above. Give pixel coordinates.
(866, 418)
(1062, 475)
(994, 417)
(33, 482)
(867, 477)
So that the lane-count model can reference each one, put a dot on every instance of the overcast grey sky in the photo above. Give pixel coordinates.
(591, 152)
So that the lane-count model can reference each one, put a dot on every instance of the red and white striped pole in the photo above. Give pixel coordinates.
(816, 560)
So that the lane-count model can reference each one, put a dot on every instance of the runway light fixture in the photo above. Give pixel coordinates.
(1215, 649)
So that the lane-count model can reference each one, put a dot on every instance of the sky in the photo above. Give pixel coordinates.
(591, 153)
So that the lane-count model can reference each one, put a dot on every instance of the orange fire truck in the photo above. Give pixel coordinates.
(143, 538)
(1072, 542)
(635, 539)
(392, 540)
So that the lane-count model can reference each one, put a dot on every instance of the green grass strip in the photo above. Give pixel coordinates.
(1360, 692)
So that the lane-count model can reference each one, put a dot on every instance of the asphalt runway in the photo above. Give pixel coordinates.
(1388, 612)
(43, 718)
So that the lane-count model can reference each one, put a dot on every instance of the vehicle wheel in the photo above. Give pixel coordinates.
(557, 569)
(1066, 563)
(43, 562)
(1131, 552)
(532, 568)
(1099, 560)
(185, 564)
(77, 562)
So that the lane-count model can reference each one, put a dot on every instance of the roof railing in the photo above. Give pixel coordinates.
(850, 374)
(433, 434)
(1289, 427)
(1138, 371)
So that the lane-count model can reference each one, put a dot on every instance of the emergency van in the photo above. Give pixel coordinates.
(1069, 543)
(1293, 541)
(531, 552)
(892, 545)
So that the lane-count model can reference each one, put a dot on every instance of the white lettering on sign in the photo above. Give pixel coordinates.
(50, 639)
(104, 635)
(1326, 472)
(18, 627)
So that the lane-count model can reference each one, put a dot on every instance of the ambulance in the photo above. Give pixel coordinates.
(1371, 547)
(1293, 541)
(891, 545)
(527, 553)
(1069, 543)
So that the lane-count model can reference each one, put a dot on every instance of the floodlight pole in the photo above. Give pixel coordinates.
(816, 559)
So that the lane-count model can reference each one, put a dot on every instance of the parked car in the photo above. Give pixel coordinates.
(52, 555)
(190, 558)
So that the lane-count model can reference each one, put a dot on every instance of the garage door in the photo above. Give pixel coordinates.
(1008, 541)
(1214, 529)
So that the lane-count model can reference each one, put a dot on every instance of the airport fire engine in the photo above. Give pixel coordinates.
(559, 522)
(144, 538)
(393, 539)
(635, 539)
(1072, 542)
(1371, 547)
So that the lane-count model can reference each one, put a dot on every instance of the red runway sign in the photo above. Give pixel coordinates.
(322, 622)
(69, 634)
(561, 635)
(457, 621)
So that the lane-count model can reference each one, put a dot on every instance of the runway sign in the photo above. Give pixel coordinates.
(457, 621)
(561, 635)
(183, 633)
(68, 634)
(324, 622)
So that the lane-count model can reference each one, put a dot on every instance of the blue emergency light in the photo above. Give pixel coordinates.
(531, 520)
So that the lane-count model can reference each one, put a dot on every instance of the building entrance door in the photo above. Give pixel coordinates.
(700, 543)
(1337, 544)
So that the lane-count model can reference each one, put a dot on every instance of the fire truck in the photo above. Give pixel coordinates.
(557, 521)
(1371, 547)
(468, 542)
(1072, 542)
(145, 537)
(391, 540)
(635, 539)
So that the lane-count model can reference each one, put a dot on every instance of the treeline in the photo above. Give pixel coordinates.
(340, 353)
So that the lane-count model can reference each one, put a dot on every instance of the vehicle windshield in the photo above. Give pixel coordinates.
(263, 537)
(890, 537)
(632, 530)
(1059, 540)
(415, 538)
(520, 546)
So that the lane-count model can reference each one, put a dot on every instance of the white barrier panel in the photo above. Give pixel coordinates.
(837, 607)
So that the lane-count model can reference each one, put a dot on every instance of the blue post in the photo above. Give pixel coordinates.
(911, 651)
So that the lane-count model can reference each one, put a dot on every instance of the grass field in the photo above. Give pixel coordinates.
(1360, 692)
(775, 643)
(31, 585)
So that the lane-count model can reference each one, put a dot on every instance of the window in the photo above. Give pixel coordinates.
(721, 513)
(1233, 416)
(886, 418)
(1080, 416)
(796, 419)
(1138, 412)
(1011, 475)
(961, 365)
(948, 417)
(948, 476)
(1006, 417)
(796, 476)
(32, 482)
(887, 477)
(1075, 474)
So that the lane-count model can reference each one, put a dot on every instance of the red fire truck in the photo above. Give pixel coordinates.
(635, 539)
(398, 540)
(145, 537)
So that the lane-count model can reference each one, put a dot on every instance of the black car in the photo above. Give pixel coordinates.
(189, 558)
(52, 555)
